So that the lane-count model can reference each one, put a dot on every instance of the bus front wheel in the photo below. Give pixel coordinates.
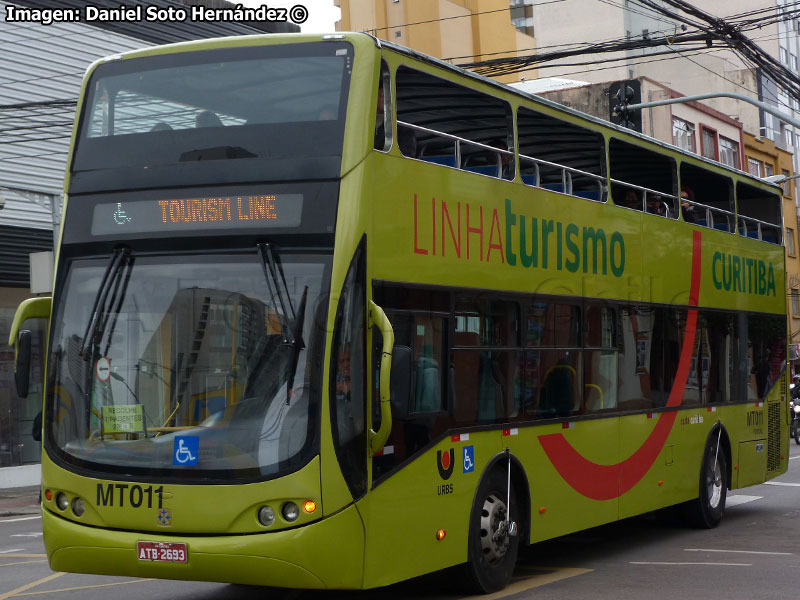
(492, 549)
(706, 511)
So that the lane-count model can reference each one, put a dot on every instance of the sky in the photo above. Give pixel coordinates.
(322, 14)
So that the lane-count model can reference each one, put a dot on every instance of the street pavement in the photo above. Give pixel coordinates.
(19, 501)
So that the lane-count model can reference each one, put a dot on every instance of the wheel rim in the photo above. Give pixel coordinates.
(494, 531)
(714, 484)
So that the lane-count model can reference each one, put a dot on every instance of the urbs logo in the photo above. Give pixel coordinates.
(445, 462)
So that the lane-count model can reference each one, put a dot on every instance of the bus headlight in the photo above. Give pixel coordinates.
(78, 507)
(266, 516)
(290, 511)
(62, 501)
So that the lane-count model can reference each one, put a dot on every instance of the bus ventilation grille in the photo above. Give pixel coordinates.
(774, 441)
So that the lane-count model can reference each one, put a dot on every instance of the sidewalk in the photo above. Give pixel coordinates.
(19, 501)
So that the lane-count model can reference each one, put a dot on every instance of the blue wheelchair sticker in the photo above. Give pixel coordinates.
(186, 450)
(469, 459)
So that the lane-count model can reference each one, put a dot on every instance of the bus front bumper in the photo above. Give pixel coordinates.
(324, 554)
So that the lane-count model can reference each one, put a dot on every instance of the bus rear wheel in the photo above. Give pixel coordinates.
(492, 549)
(706, 511)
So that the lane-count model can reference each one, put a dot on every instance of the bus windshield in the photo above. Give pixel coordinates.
(263, 102)
(191, 366)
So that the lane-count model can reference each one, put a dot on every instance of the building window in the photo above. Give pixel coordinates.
(522, 15)
(768, 170)
(788, 137)
(793, 61)
(729, 152)
(754, 167)
(786, 185)
(784, 56)
(795, 295)
(708, 143)
(790, 241)
(683, 134)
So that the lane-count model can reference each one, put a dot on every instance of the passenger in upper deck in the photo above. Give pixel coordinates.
(630, 198)
(687, 208)
(506, 164)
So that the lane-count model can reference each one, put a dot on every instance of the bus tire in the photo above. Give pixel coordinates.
(706, 511)
(491, 551)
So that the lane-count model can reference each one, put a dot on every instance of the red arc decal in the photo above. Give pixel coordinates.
(605, 482)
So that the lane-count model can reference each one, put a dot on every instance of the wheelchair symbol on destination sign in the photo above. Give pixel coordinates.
(469, 459)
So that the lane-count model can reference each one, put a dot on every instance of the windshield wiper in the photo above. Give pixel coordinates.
(292, 336)
(110, 280)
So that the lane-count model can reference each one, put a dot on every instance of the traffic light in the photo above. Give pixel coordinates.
(622, 94)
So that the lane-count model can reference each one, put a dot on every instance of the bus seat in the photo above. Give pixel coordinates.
(556, 187)
(753, 233)
(721, 226)
(447, 160)
(427, 392)
(529, 179)
(701, 222)
(588, 194)
(557, 394)
(769, 236)
(593, 397)
(490, 391)
(490, 170)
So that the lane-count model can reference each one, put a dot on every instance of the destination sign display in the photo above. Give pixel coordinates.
(191, 214)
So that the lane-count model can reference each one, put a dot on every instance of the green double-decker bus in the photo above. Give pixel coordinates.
(329, 313)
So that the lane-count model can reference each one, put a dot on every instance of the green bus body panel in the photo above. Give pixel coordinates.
(195, 509)
(328, 553)
(752, 462)
(421, 233)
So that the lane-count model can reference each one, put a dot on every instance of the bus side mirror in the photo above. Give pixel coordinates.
(22, 366)
(401, 382)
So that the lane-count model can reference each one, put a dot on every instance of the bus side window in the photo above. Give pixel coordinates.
(634, 360)
(600, 359)
(348, 398)
(453, 125)
(383, 111)
(485, 363)
(643, 179)
(557, 155)
(707, 198)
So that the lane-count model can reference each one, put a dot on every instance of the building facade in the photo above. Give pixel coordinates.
(693, 126)
(763, 158)
(460, 31)
(716, 68)
(43, 66)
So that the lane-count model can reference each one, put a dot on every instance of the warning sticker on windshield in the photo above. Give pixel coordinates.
(123, 419)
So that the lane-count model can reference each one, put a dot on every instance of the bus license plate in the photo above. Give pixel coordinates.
(162, 552)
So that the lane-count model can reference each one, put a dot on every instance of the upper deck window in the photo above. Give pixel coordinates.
(642, 179)
(706, 198)
(560, 156)
(759, 213)
(453, 125)
(236, 103)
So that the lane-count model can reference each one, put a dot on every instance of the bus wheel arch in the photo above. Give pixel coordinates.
(706, 511)
(491, 552)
